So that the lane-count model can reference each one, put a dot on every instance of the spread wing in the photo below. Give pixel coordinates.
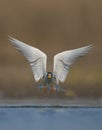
(35, 57)
(62, 61)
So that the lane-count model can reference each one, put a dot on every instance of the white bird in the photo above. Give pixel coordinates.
(38, 61)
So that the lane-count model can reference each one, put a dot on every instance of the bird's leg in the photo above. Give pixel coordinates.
(45, 88)
(53, 88)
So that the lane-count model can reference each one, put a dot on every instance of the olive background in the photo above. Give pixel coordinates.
(52, 26)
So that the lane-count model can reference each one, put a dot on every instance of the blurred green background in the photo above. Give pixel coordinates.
(52, 26)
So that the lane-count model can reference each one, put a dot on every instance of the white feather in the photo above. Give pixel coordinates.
(35, 57)
(62, 61)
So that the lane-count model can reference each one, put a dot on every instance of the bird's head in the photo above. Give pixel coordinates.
(49, 75)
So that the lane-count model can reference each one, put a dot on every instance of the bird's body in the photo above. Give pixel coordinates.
(38, 61)
(49, 83)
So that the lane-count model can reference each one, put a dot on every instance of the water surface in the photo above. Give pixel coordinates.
(50, 118)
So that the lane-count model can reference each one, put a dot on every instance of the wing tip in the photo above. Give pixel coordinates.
(10, 38)
(90, 46)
